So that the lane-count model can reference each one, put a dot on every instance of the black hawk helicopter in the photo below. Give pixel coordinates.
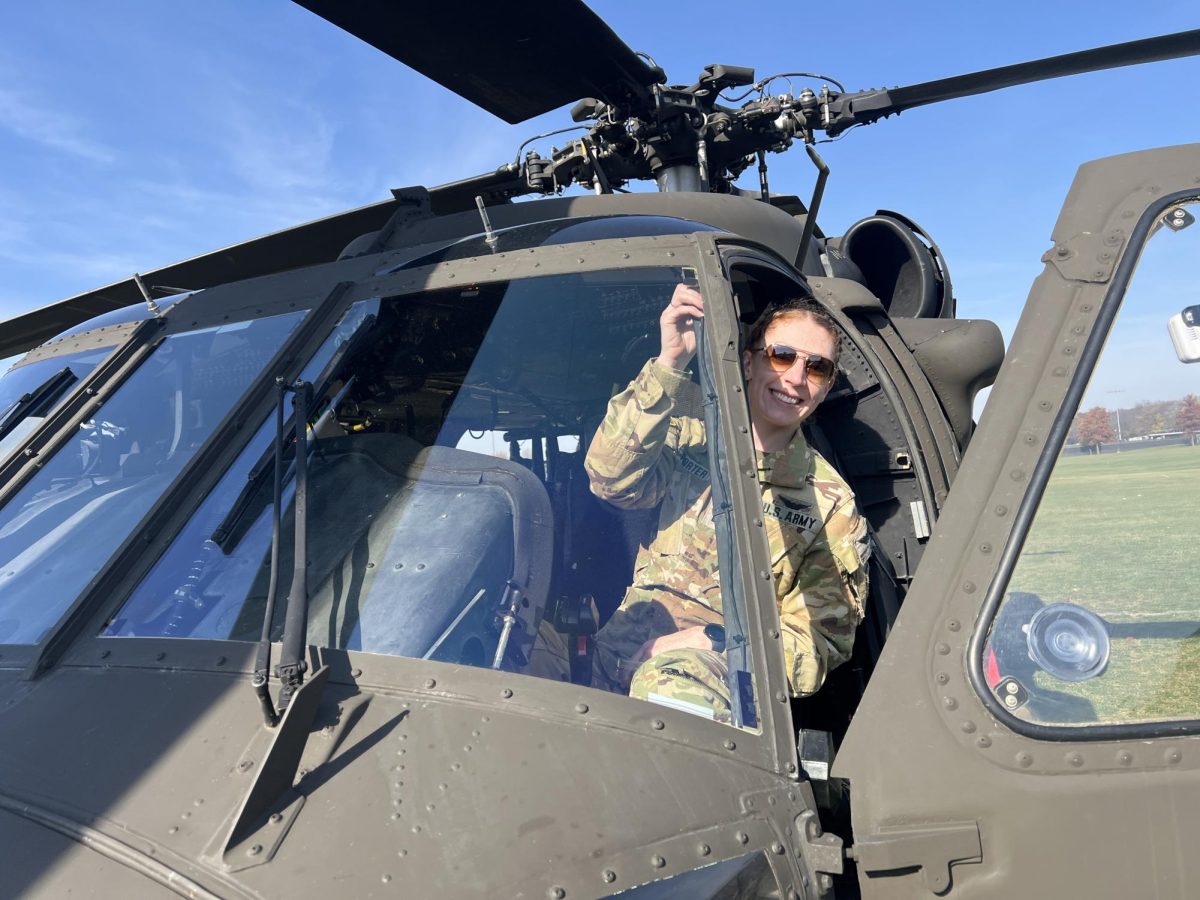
(279, 524)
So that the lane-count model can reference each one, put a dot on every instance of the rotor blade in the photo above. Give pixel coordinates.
(868, 106)
(516, 62)
(314, 242)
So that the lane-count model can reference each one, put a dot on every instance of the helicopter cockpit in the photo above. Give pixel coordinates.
(443, 509)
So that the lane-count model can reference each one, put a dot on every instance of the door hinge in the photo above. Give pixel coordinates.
(931, 848)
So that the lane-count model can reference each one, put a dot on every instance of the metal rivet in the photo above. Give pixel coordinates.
(1017, 475)
(968, 727)
(777, 847)
(254, 850)
(557, 893)
(1059, 371)
(1174, 756)
(984, 741)
(730, 745)
(657, 861)
(355, 673)
(506, 693)
(954, 625)
(1024, 760)
(1001, 510)
(245, 765)
(781, 696)
(609, 876)
(658, 724)
(1125, 758)
(791, 768)
(775, 633)
(942, 678)
(105, 654)
(950, 703)
(765, 575)
(221, 660)
(743, 838)
(581, 708)
(160, 656)
(173, 829)
(276, 818)
(985, 548)
(943, 649)
(430, 683)
(704, 850)
(968, 587)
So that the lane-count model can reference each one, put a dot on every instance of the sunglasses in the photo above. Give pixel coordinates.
(817, 369)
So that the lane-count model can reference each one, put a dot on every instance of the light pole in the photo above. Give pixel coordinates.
(1118, 406)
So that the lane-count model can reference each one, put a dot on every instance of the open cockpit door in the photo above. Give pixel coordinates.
(1032, 728)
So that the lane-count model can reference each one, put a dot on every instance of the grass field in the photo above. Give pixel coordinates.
(1117, 533)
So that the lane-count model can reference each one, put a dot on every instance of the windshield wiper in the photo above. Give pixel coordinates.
(36, 402)
(292, 664)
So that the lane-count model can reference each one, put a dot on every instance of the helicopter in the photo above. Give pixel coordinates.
(337, 478)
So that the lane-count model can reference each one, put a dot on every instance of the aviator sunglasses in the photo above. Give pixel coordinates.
(817, 369)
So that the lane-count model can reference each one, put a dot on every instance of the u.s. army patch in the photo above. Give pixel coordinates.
(791, 516)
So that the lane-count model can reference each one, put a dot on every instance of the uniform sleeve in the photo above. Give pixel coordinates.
(824, 605)
(631, 458)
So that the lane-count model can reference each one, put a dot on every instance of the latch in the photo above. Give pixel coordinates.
(931, 848)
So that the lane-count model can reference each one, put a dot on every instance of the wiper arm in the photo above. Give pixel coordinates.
(224, 534)
(292, 665)
(39, 400)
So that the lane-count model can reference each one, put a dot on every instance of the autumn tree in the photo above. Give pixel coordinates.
(1187, 418)
(1093, 428)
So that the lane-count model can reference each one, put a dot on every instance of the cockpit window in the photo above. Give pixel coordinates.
(29, 392)
(1099, 624)
(64, 524)
(450, 514)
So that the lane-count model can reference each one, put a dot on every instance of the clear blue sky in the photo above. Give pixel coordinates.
(134, 133)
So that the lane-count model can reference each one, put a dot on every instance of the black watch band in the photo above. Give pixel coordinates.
(716, 634)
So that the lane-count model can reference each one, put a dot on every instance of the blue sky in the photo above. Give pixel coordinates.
(134, 133)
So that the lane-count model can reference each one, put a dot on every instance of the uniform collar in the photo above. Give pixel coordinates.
(789, 467)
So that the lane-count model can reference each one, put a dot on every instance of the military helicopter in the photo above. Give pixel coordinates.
(337, 478)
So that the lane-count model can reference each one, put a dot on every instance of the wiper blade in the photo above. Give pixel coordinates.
(38, 401)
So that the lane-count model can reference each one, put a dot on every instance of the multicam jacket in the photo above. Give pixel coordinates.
(651, 449)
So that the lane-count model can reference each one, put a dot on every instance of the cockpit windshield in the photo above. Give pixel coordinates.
(449, 514)
(60, 528)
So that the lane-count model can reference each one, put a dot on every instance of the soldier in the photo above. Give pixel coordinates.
(664, 641)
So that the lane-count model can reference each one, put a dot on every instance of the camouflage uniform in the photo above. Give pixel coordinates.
(651, 449)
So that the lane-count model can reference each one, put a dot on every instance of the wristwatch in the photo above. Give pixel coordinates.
(716, 634)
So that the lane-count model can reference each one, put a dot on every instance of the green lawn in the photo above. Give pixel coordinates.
(1116, 532)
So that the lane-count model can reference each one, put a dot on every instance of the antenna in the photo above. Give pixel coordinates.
(150, 304)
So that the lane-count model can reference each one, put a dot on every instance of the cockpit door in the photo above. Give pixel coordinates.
(1033, 726)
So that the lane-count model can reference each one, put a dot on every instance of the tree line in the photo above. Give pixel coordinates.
(1098, 425)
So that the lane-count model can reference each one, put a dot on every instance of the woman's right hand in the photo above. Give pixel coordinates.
(676, 327)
